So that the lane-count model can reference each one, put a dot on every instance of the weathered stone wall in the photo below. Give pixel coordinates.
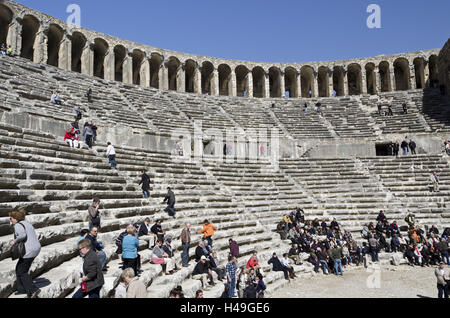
(444, 67)
(99, 54)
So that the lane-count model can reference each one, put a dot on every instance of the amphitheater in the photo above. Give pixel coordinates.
(145, 98)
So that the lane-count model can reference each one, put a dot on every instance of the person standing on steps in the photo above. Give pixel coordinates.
(170, 199)
(405, 147)
(435, 182)
(89, 135)
(24, 233)
(89, 94)
(94, 130)
(145, 181)
(442, 281)
(231, 270)
(208, 232)
(185, 244)
(412, 146)
(92, 279)
(94, 213)
(111, 153)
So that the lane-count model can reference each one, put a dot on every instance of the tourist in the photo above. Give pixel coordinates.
(199, 294)
(336, 253)
(130, 245)
(294, 254)
(215, 266)
(346, 255)
(405, 147)
(396, 148)
(121, 289)
(94, 130)
(89, 94)
(55, 99)
(159, 257)
(97, 246)
(135, 288)
(319, 108)
(405, 109)
(442, 281)
(83, 234)
(234, 247)
(226, 292)
(380, 109)
(208, 232)
(199, 251)
(145, 233)
(10, 51)
(306, 109)
(253, 263)
(167, 248)
(185, 245)
(435, 182)
(111, 154)
(3, 49)
(260, 286)
(145, 181)
(373, 248)
(70, 138)
(202, 272)
(207, 249)
(442, 246)
(77, 112)
(157, 230)
(287, 265)
(89, 134)
(94, 213)
(278, 266)
(231, 270)
(250, 290)
(412, 146)
(389, 112)
(25, 247)
(170, 199)
(92, 277)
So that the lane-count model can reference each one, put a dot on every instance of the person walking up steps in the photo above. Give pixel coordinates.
(170, 199)
(111, 154)
(145, 181)
(208, 232)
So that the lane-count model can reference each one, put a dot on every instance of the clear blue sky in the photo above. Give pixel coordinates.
(266, 31)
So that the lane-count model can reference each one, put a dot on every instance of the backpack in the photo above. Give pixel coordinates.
(18, 250)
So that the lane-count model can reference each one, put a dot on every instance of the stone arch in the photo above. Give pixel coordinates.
(173, 66)
(100, 49)
(402, 76)
(307, 81)
(120, 53)
(207, 74)
(224, 79)
(78, 44)
(275, 82)
(419, 70)
(322, 80)
(137, 59)
(30, 27)
(291, 81)
(434, 72)
(385, 76)
(371, 79)
(259, 80)
(338, 80)
(6, 16)
(242, 84)
(354, 78)
(190, 68)
(55, 35)
(156, 62)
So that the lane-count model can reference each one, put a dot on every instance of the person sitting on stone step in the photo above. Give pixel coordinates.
(159, 257)
(145, 233)
(167, 247)
(253, 263)
(278, 266)
(207, 249)
(199, 251)
(157, 230)
(135, 287)
(70, 138)
(294, 254)
(202, 271)
(97, 246)
(56, 99)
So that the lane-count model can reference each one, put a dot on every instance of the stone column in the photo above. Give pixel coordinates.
(215, 83)
(315, 85)
(345, 72)
(378, 80)
(426, 73)
(181, 78)
(14, 37)
(330, 82)
(266, 92)
(299, 84)
(232, 86)
(109, 65)
(250, 84)
(145, 72)
(65, 53)
(412, 76)
(363, 80)
(282, 85)
(127, 69)
(87, 60)
(197, 80)
(40, 46)
(392, 78)
(163, 76)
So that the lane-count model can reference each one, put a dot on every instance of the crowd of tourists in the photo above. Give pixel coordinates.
(406, 146)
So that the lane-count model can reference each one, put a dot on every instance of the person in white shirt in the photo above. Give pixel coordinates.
(55, 99)
(111, 153)
(435, 182)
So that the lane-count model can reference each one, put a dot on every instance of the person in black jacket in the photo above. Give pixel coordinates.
(145, 181)
(158, 231)
(250, 290)
(278, 267)
(92, 276)
(199, 251)
(97, 246)
(202, 272)
(412, 146)
(170, 199)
